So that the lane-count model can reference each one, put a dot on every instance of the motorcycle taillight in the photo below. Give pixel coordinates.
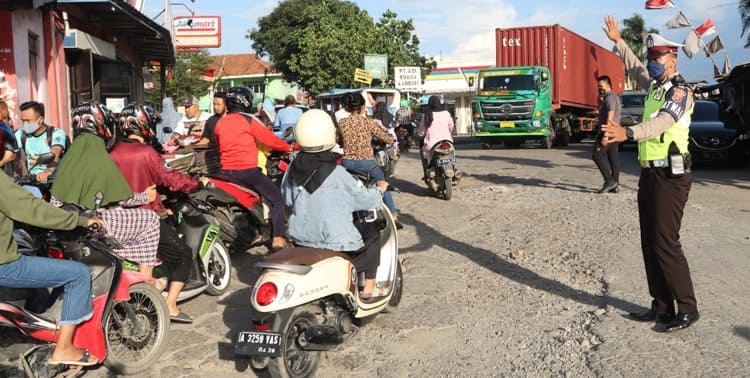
(261, 326)
(55, 253)
(445, 146)
(266, 294)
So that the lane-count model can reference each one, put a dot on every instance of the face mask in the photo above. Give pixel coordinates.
(655, 69)
(30, 127)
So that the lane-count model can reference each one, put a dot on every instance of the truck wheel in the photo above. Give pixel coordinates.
(563, 136)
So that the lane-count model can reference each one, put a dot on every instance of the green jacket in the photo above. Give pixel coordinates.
(16, 204)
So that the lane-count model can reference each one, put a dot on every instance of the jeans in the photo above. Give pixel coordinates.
(41, 272)
(376, 174)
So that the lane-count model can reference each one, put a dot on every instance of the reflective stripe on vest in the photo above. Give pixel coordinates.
(658, 148)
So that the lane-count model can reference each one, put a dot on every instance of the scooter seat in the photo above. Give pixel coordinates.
(303, 256)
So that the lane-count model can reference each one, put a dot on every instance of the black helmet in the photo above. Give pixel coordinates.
(239, 100)
(92, 117)
(139, 119)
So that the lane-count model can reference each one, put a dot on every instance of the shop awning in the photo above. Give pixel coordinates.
(110, 19)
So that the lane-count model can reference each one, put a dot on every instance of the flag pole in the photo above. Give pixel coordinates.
(701, 44)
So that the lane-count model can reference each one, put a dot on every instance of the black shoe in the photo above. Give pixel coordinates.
(399, 226)
(616, 189)
(681, 321)
(652, 316)
(608, 185)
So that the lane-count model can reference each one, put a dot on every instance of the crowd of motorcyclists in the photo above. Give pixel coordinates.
(112, 166)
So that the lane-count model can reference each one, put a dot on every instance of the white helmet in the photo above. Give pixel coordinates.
(315, 131)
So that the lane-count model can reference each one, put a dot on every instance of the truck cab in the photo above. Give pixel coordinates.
(514, 104)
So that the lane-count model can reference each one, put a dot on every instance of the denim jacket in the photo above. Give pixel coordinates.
(324, 219)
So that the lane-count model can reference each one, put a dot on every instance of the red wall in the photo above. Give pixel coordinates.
(7, 63)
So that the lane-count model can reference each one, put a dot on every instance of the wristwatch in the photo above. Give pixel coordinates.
(629, 133)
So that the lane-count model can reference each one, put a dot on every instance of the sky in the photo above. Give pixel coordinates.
(462, 33)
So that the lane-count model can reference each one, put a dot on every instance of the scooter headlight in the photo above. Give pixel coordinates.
(266, 294)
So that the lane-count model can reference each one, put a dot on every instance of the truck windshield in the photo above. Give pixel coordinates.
(508, 83)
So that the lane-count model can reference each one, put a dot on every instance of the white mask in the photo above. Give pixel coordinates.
(30, 127)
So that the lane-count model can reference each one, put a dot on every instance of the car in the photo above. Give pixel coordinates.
(710, 139)
(632, 107)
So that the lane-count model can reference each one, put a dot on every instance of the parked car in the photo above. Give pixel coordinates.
(632, 107)
(712, 141)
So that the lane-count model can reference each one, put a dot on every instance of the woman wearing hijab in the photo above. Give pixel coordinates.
(323, 196)
(87, 169)
(170, 118)
(355, 134)
(437, 124)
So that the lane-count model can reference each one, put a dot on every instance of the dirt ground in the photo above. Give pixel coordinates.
(526, 272)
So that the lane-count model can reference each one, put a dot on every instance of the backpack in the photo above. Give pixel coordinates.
(50, 131)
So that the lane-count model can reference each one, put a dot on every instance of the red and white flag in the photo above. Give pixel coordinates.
(659, 4)
(678, 21)
(706, 29)
(691, 44)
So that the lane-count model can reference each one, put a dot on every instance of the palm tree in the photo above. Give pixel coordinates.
(634, 31)
(744, 9)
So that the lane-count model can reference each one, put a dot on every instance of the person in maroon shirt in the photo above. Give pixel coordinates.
(143, 167)
(236, 134)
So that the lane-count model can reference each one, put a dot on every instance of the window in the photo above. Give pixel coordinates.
(33, 63)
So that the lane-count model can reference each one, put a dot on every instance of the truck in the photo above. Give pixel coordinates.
(543, 87)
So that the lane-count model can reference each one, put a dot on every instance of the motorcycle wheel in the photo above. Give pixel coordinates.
(294, 361)
(447, 188)
(219, 270)
(136, 331)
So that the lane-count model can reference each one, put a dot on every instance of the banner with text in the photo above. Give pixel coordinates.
(407, 79)
(362, 76)
(377, 64)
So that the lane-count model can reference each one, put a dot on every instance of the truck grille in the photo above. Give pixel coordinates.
(507, 110)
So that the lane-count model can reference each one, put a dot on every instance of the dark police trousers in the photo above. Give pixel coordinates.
(661, 201)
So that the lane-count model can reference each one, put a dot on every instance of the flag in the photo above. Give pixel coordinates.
(706, 29)
(659, 4)
(714, 46)
(716, 71)
(678, 21)
(691, 44)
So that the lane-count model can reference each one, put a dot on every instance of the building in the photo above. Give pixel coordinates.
(453, 84)
(249, 70)
(65, 52)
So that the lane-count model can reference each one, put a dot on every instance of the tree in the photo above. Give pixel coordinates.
(633, 33)
(186, 78)
(319, 44)
(744, 9)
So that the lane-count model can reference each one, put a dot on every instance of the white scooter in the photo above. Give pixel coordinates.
(308, 300)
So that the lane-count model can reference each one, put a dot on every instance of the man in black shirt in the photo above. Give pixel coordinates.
(209, 135)
(606, 157)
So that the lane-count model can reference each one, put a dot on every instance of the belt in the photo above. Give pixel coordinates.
(654, 163)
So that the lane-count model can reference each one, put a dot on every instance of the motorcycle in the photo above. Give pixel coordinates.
(404, 133)
(441, 174)
(130, 323)
(308, 300)
(212, 268)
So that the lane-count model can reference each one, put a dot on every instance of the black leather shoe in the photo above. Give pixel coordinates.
(652, 316)
(616, 189)
(681, 321)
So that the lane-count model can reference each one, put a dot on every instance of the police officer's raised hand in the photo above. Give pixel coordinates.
(613, 133)
(612, 29)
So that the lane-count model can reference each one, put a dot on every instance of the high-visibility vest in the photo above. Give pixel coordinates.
(657, 148)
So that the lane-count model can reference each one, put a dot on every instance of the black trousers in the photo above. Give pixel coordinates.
(661, 201)
(255, 179)
(607, 160)
(176, 256)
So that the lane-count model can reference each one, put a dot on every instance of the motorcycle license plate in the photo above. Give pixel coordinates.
(258, 343)
(507, 124)
(444, 162)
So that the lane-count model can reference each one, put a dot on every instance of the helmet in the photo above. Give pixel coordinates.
(140, 120)
(239, 100)
(315, 131)
(92, 117)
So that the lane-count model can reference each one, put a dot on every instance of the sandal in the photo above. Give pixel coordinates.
(83, 361)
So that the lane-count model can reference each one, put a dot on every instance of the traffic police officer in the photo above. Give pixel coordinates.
(665, 179)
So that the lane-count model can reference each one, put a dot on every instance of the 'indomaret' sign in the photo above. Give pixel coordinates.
(407, 79)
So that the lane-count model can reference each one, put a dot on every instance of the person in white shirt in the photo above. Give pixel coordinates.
(191, 123)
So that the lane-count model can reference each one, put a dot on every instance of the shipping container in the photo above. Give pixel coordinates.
(574, 62)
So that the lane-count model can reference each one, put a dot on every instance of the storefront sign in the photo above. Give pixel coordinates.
(377, 64)
(197, 32)
(407, 79)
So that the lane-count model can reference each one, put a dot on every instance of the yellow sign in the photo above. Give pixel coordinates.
(362, 76)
